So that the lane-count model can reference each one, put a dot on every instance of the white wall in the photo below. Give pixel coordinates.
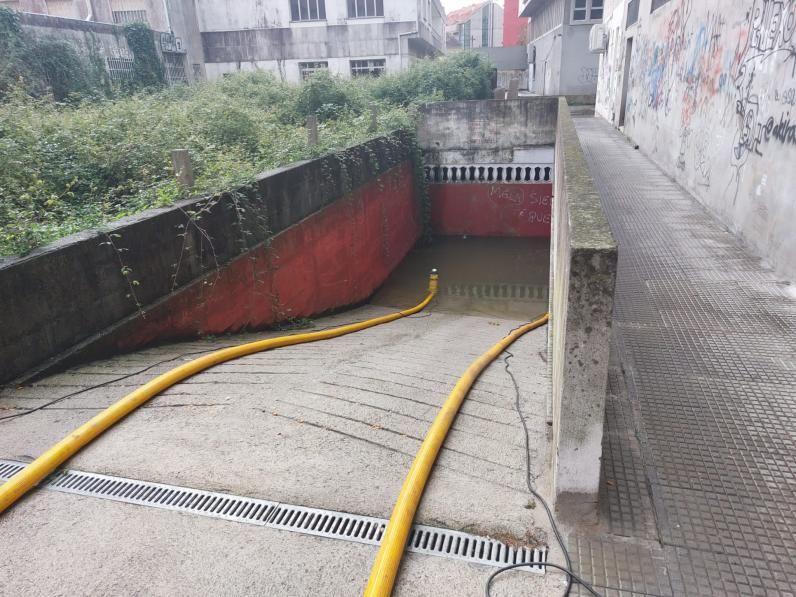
(563, 63)
(229, 15)
(288, 70)
(712, 99)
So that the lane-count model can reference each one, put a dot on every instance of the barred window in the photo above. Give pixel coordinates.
(120, 69)
(308, 10)
(175, 67)
(307, 69)
(123, 17)
(373, 67)
(365, 8)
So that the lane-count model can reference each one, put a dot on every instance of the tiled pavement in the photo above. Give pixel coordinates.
(699, 484)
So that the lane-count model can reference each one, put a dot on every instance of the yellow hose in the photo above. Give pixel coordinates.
(45, 464)
(388, 560)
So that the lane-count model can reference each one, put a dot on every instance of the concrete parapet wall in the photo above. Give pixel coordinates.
(485, 130)
(72, 295)
(582, 277)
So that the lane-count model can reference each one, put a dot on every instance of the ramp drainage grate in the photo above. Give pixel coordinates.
(298, 519)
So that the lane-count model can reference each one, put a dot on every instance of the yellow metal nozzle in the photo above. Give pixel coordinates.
(433, 281)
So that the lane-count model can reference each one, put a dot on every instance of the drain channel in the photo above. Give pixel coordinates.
(298, 519)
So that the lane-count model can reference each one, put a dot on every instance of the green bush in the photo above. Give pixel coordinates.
(460, 76)
(69, 167)
(326, 96)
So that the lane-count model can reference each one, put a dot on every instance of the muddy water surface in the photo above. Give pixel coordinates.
(497, 277)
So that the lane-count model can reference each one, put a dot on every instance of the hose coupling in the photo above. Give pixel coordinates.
(433, 281)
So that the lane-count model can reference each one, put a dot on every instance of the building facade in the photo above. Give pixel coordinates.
(708, 90)
(476, 26)
(178, 37)
(515, 27)
(558, 51)
(294, 38)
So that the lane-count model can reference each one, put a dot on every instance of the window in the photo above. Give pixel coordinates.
(120, 69)
(587, 10)
(632, 12)
(308, 10)
(365, 8)
(485, 26)
(373, 67)
(464, 35)
(175, 67)
(306, 69)
(656, 4)
(123, 17)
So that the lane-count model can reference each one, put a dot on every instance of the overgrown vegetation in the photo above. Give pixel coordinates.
(81, 164)
(43, 66)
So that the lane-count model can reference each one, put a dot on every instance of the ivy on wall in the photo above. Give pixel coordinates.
(147, 68)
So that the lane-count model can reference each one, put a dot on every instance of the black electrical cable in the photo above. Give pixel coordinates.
(568, 569)
(103, 384)
(568, 572)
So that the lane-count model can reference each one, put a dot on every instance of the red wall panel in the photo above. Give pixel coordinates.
(498, 209)
(335, 257)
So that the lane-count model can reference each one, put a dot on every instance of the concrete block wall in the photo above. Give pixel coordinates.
(582, 278)
(69, 300)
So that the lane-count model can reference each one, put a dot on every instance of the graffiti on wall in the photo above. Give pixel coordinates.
(702, 62)
(769, 35)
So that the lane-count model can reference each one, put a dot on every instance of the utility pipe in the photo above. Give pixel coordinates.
(31, 475)
(388, 560)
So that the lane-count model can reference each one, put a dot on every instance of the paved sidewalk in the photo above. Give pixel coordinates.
(699, 465)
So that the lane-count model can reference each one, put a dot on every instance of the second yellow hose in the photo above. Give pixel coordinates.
(393, 543)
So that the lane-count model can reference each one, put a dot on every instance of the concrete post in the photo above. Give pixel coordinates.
(312, 130)
(183, 169)
(500, 93)
(514, 89)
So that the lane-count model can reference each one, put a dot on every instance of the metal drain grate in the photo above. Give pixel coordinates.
(298, 519)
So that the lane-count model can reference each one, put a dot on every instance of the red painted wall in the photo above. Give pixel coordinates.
(515, 28)
(491, 209)
(335, 257)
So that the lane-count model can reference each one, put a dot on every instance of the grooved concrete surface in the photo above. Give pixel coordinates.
(333, 424)
(699, 468)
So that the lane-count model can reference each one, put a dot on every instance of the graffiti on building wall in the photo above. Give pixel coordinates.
(708, 70)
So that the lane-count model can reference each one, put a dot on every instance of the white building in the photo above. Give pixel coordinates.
(174, 20)
(558, 51)
(476, 26)
(294, 38)
(291, 38)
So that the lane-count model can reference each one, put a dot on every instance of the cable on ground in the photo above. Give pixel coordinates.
(568, 568)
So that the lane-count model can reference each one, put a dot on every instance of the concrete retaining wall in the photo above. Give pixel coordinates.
(489, 163)
(486, 131)
(515, 210)
(312, 237)
(582, 277)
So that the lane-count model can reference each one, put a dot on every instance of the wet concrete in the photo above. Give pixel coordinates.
(498, 277)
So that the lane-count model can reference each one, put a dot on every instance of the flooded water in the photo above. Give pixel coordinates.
(497, 277)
